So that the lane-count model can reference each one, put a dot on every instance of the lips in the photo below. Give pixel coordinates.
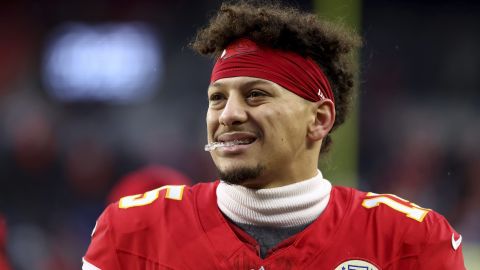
(234, 142)
(237, 138)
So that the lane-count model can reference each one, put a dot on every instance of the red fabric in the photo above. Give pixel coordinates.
(191, 233)
(297, 74)
(4, 265)
(145, 179)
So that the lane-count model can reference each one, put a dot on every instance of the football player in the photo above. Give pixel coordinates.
(280, 85)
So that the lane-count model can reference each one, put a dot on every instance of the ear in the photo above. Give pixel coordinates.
(324, 119)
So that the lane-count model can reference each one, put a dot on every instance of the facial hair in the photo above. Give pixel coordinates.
(240, 175)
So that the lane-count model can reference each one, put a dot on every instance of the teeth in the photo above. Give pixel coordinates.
(212, 146)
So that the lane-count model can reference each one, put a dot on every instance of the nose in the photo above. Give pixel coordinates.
(234, 112)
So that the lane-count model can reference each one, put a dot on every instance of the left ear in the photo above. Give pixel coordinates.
(324, 111)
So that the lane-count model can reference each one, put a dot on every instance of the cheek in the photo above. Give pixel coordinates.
(284, 122)
(212, 123)
(287, 128)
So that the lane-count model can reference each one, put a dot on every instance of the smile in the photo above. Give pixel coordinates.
(232, 142)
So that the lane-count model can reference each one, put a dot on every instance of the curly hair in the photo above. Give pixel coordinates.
(289, 29)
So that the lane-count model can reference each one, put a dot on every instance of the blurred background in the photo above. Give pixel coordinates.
(93, 90)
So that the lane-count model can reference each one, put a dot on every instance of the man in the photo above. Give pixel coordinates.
(280, 85)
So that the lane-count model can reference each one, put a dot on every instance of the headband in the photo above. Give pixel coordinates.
(290, 70)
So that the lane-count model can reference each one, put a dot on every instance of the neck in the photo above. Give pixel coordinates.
(286, 206)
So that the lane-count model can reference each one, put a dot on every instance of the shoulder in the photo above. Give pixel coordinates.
(124, 231)
(394, 215)
(400, 228)
(164, 204)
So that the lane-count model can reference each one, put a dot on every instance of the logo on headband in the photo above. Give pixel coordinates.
(320, 94)
(239, 47)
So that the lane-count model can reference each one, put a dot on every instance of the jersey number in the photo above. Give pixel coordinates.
(412, 210)
(173, 193)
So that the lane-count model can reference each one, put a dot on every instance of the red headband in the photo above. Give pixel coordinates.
(297, 74)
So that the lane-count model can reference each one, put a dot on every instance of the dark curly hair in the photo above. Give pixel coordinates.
(287, 28)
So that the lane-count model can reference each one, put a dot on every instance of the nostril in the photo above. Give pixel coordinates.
(230, 121)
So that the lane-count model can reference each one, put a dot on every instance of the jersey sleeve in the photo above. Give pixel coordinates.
(101, 253)
(443, 248)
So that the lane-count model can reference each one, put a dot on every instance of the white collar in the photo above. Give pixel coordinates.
(286, 206)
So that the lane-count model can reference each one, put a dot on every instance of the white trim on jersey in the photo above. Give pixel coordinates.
(88, 266)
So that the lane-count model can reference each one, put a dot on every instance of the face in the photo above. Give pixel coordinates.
(264, 130)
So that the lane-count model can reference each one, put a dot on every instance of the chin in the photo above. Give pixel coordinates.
(241, 175)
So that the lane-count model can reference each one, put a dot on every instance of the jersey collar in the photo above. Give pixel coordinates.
(300, 248)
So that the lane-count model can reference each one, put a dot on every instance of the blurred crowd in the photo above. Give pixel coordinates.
(62, 162)
(420, 104)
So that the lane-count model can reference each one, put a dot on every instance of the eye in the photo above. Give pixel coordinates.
(216, 100)
(255, 93)
(216, 97)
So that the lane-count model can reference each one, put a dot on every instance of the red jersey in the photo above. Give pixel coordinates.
(176, 227)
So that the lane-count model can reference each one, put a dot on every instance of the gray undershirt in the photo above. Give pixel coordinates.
(269, 237)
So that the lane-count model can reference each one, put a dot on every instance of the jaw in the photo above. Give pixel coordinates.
(241, 175)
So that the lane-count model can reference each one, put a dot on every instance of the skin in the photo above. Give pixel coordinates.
(288, 130)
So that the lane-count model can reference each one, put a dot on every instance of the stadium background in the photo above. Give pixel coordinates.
(74, 117)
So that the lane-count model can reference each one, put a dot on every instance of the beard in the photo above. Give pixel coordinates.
(240, 175)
